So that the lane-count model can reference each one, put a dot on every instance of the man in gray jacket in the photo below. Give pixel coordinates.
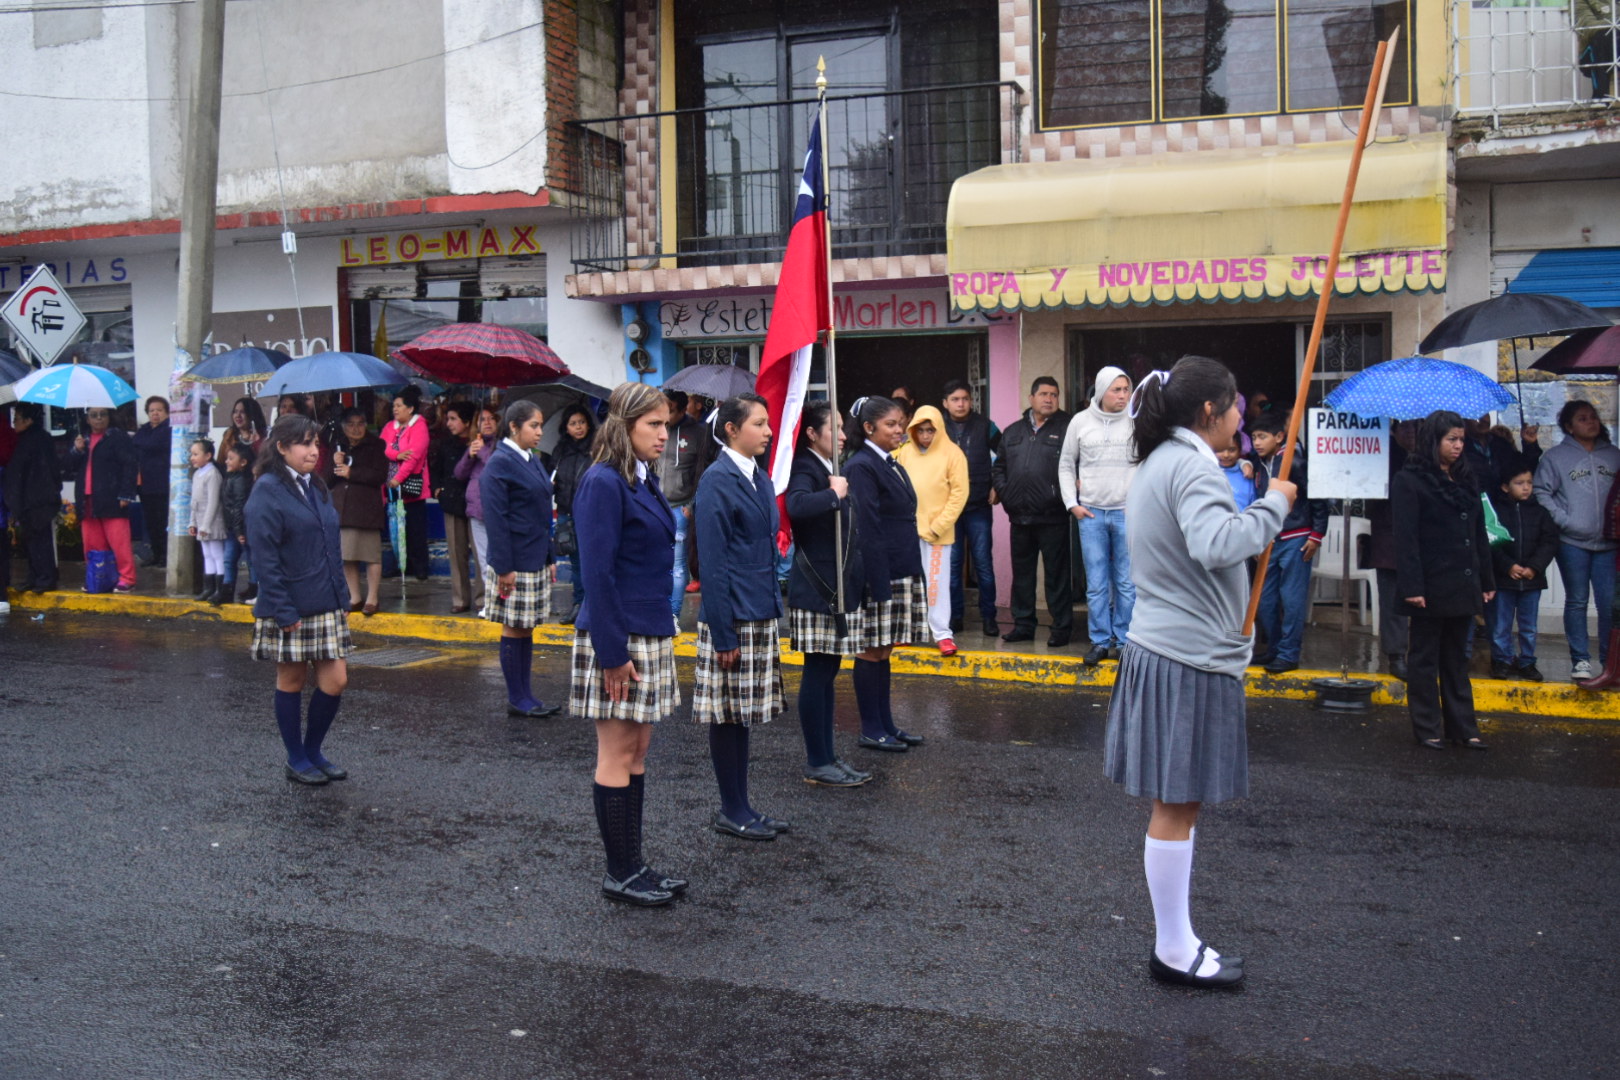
(1573, 482)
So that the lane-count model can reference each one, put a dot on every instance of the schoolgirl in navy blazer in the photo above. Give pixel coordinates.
(886, 514)
(626, 555)
(810, 505)
(295, 549)
(737, 516)
(517, 511)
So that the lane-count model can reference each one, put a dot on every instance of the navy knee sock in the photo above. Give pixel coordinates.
(638, 798)
(883, 698)
(816, 706)
(869, 696)
(728, 749)
(323, 709)
(526, 667)
(514, 670)
(613, 819)
(290, 719)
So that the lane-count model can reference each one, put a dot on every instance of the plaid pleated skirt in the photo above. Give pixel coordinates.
(318, 637)
(751, 692)
(656, 697)
(1176, 733)
(526, 606)
(817, 632)
(899, 620)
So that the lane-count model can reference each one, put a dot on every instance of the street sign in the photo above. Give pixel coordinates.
(1349, 455)
(43, 316)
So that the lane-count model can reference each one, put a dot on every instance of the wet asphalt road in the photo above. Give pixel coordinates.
(171, 907)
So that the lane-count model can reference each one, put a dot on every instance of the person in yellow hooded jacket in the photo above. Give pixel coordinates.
(938, 471)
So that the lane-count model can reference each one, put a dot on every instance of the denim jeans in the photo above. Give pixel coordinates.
(1283, 600)
(678, 576)
(1511, 604)
(973, 534)
(1110, 594)
(1586, 573)
(235, 550)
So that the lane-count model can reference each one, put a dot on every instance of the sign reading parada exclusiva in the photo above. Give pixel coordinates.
(1349, 455)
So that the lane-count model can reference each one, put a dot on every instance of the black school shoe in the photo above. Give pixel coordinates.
(831, 776)
(882, 742)
(638, 889)
(1229, 973)
(753, 830)
(1529, 673)
(1502, 671)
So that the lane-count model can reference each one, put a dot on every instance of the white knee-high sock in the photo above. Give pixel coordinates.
(1168, 865)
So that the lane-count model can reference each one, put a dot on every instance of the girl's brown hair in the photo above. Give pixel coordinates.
(629, 403)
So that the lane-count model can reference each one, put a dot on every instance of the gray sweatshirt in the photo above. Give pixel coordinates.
(1189, 546)
(1574, 487)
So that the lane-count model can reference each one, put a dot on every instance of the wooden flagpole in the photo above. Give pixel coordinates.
(1364, 137)
(832, 326)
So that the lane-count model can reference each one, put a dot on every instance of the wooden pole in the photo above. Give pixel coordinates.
(1369, 121)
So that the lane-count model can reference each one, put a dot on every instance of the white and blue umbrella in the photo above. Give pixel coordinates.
(1414, 387)
(74, 386)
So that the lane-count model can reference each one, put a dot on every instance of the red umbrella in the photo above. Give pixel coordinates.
(1585, 352)
(483, 354)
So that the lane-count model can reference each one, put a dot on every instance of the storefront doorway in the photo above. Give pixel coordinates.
(923, 363)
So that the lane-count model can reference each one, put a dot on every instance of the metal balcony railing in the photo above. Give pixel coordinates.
(892, 158)
(1514, 56)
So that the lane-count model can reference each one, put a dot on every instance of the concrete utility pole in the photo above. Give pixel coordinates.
(198, 201)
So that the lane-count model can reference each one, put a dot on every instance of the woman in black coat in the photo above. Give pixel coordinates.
(448, 448)
(152, 452)
(572, 456)
(301, 615)
(818, 507)
(896, 610)
(1444, 576)
(356, 475)
(104, 467)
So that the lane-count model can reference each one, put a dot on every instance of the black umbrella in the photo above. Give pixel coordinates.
(717, 382)
(1513, 316)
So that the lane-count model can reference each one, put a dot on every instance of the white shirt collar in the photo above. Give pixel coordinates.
(827, 462)
(1196, 441)
(884, 454)
(747, 464)
(522, 452)
(299, 478)
(641, 469)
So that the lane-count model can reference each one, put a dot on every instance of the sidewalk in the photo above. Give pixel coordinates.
(420, 611)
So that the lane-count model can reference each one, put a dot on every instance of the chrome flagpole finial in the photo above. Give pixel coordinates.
(821, 74)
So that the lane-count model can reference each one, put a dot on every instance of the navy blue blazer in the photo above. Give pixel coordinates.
(517, 511)
(626, 559)
(886, 514)
(810, 506)
(736, 516)
(295, 550)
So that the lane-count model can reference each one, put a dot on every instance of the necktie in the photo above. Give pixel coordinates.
(309, 494)
(898, 468)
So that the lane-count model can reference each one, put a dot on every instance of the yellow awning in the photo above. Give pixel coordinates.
(1213, 225)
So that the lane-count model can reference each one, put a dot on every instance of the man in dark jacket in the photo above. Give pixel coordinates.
(1286, 596)
(104, 467)
(1521, 571)
(34, 493)
(1491, 456)
(980, 440)
(678, 470)
(1025, 480)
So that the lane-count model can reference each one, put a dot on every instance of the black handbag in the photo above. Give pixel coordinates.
(562, 536)
(411, 487)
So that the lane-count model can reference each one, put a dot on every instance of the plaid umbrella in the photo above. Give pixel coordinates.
(482, 354)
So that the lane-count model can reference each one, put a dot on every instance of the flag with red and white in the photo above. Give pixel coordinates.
(799, 313)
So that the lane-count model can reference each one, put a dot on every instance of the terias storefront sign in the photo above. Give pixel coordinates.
(422, 244)
(865, 311)
(1168, 281)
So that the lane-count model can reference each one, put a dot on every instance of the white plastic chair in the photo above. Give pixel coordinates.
(1329, 566)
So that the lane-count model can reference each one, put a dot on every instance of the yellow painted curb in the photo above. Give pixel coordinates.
(1490, 695)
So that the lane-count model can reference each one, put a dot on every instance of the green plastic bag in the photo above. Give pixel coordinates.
(1495, 531)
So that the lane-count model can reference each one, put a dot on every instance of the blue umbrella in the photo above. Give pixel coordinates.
(330, 371)
(1414, 387)
(11, 368)
(243, 365)
(74, 386)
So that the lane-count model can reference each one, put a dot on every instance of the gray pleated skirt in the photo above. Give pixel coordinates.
(1176, 733)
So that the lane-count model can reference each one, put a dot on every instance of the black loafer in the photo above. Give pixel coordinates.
(1432, 744)
(1018, 634)
(908, 738)
(991, 628)
(851, 771)
(1476, 743)
(1095, 655)
(540, 710)
(831, 776)
(884, 742)
(1229, 973)
(666, 884)
(332, 771)
(751, 831)
(1057, 641)
(776, 825)
(638, 890)
(311, 776)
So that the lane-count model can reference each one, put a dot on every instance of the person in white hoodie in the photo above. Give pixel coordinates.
(1094, 474)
